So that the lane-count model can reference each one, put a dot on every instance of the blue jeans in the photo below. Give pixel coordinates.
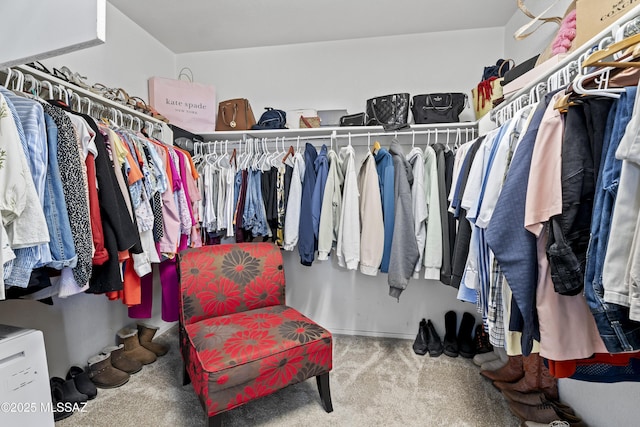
(617, 331)
(254, 217)
(61, 244)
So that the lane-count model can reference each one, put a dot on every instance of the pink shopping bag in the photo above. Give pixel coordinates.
(189, 105)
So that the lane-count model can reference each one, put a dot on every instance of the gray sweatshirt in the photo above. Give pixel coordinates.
(404, 249)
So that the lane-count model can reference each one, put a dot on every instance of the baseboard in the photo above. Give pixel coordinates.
(376, 334)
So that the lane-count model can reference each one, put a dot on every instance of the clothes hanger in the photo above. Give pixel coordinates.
(602, 81)
(291, 152)
(611, 50)
(8, 79)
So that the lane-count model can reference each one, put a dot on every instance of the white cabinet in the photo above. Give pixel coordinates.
(25, 395)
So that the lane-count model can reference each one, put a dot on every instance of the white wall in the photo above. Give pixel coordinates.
(80, 326)
(521, 50)
(344, 74)
(128, 58)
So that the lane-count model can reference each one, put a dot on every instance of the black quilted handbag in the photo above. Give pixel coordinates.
(438, 107)
(389, 111)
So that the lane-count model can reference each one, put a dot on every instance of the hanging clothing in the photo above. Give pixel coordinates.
(419, 205)
(75, 191)
(567, 328)
(331, 210)
(433, 240)
(569, 232)
(27, 231)
(404, 249)
(512, 245)
(445, 270)
(371, 220)
(617, 330)
(321, 166)
(463, 237)
(307, 244)
(29, 115)
(384, 165)
(292, 217)
(348, 245)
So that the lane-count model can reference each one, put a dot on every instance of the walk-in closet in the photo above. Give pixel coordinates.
(340, 213)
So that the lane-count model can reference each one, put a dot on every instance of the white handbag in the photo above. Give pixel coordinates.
(293, 116)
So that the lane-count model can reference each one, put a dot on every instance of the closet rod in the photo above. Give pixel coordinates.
(72, 92)
(463, 130)
(628, 24)
(454, 136)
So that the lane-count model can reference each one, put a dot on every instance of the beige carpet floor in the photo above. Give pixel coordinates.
(374, 382)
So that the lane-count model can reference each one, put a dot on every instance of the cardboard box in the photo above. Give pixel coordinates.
(593, 16)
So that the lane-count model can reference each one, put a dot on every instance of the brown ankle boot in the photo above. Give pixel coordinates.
(536, 378)
(145, 336)
(103, 374)
(510, 372)
(120, 361)
(132, 347)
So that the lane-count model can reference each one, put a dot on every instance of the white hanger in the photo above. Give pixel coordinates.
(76, 97)
(18, 84)
(8, 79)
(602, 80)
(49, 87)
(34, 84)
(413, 138)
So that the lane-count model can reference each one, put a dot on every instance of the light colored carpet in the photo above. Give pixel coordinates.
(374, 382)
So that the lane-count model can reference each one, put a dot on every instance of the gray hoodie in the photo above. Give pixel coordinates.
(404, 249)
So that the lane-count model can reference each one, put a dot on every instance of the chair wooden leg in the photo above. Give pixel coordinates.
(185, 375)
(325, 392)
(215, 421)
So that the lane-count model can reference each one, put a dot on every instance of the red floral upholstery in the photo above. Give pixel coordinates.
(239, 341)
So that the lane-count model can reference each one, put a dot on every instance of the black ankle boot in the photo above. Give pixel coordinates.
(450, 336)
(434, 344)
(420, 343)
(466, 346)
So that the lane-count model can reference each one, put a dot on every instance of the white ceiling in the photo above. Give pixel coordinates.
(204, 25)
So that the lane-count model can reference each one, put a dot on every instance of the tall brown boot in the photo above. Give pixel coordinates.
(511, 372)
(145, 336)
(132, 347)
(536, 379)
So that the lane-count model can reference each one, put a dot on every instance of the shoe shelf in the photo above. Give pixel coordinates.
(75, 91)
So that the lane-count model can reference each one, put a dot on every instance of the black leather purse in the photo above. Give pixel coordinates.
(389, 111)
(438, 107)
(358, 119)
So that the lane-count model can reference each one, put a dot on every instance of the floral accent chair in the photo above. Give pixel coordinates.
(239, 341)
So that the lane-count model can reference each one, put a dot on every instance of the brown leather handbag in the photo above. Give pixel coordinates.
(235, 114)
